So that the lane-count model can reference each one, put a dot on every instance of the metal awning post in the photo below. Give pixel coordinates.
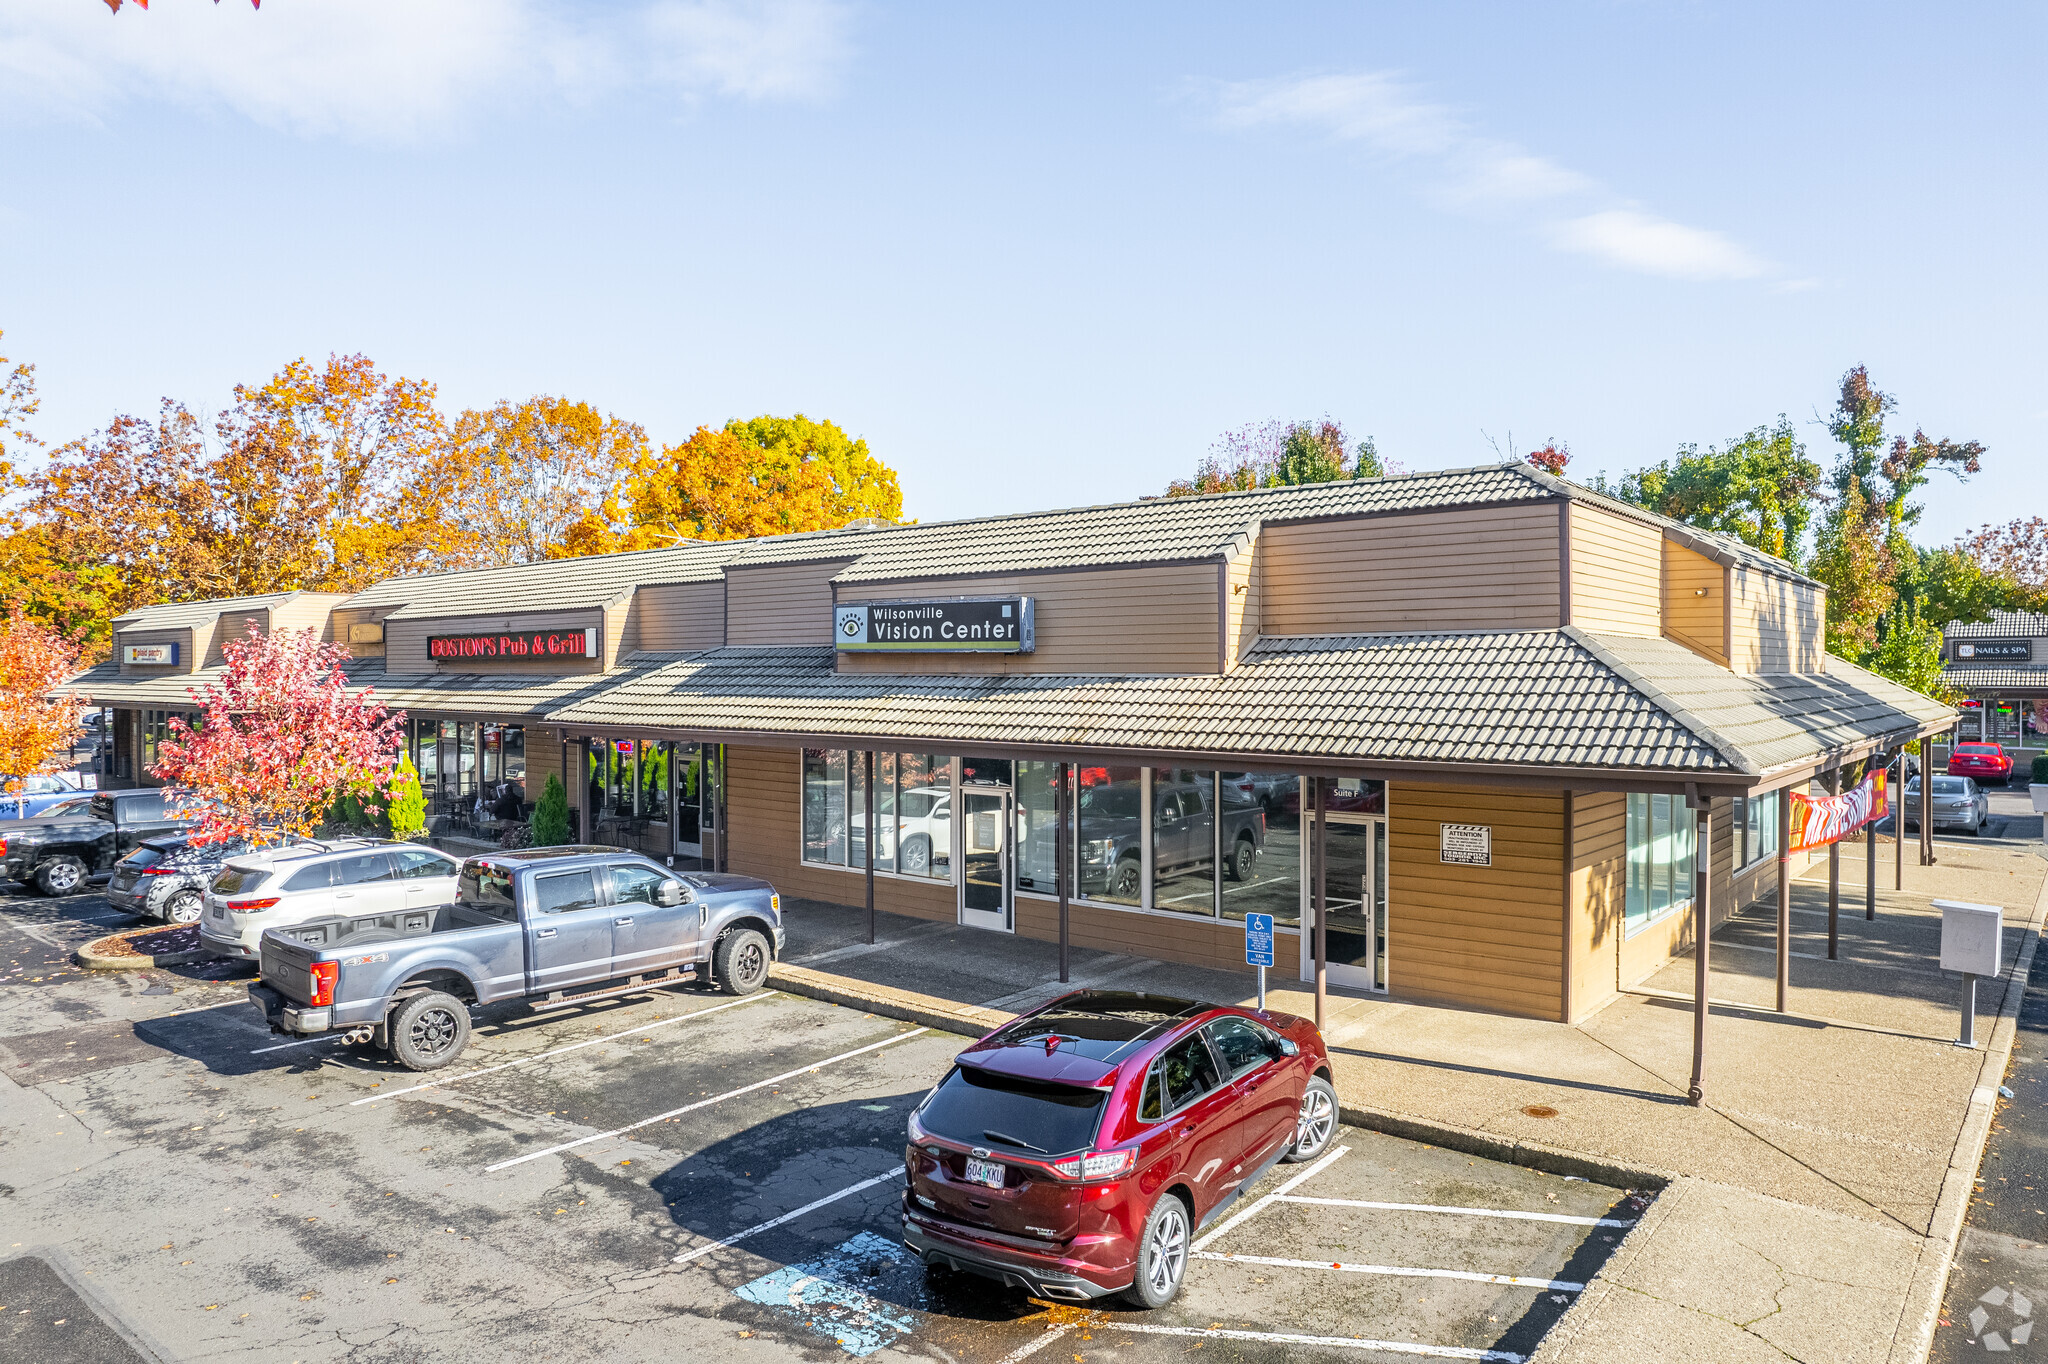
(1927, 801)
(1784, 897)
(1898, 804)
(1870, 872)
(1834, 873)
(1059, 825)
(1702, 861)
(1317, 859)
(870, 839)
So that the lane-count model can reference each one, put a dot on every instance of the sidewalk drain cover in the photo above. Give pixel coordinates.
(1540, 1111)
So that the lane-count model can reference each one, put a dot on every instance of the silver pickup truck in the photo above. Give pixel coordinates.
(553, 925)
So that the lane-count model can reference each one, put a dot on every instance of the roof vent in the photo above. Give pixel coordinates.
(869, 523)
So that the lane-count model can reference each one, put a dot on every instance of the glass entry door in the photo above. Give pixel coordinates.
(986, 876)
(1355, 894)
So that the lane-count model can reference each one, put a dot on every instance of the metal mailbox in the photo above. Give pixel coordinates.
(1971, 937)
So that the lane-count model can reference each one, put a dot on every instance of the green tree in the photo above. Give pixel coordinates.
(863, 486)
(408, 809)
(1758, 488)
(551, 815)
(1888, 476)
(1369, 464)
(1857, 566)
(1311, 452)
(1949, 584)
(1910, 653)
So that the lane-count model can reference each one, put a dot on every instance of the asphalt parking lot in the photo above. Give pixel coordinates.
(672, 1175)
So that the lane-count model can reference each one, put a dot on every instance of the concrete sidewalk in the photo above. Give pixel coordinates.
(1809, 1208)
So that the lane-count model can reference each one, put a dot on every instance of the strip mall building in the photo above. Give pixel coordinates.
(1489, 705)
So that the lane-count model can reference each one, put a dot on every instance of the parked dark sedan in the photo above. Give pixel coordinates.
(166, 878)
(1077, 1151)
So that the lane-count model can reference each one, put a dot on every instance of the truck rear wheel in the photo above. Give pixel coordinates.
(60, 876)
(741, 963)
(429, 1031)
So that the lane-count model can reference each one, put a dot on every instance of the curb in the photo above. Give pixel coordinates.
(1914, 1337)
(94, 961)
(968, 1020)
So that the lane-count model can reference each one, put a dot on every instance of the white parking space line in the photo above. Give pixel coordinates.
(1398, 1271)
(1032, 1347)
(619, 1036)
(1391, 1347)
(1464, 1212)
(1288, 1187)
(706, 1103)
(772, 1222)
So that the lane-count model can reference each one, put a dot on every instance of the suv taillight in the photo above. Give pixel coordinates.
(1096, 1165)
(245, 906)
(322, 974)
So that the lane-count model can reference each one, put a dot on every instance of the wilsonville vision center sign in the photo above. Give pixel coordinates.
(994, 625)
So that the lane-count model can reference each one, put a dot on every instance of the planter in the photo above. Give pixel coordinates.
(138, 949)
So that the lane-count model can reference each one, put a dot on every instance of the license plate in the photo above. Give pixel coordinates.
(987, 1172)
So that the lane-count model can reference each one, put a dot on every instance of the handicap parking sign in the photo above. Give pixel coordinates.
(1258, 940)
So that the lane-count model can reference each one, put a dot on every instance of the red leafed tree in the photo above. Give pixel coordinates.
(36, 719)
(280, 737)
(1552, 458)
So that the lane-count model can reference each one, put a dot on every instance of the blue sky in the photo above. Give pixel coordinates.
(1041, 255)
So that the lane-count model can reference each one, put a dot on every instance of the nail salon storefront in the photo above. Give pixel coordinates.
(1491, 768)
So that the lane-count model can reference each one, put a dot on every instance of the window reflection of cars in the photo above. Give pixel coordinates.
(924, 830)
(1183, 835)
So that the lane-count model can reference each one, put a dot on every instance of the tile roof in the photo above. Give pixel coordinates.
(551, 585)
(1965, 677)
(176, 615)
(2002, 624)
(1553, 698)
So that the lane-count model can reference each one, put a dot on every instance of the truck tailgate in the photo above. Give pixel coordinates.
(284, 967)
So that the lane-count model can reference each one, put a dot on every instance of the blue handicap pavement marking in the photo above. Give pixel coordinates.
(1258, 940)
(816, 1294)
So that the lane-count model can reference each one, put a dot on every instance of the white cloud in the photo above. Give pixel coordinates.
(1474, 173)
(395, 69)
(1657, 246)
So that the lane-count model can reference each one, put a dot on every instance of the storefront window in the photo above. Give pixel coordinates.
(1109, 824)
(913, 811)
(1262, 809)
(1660, 858)
(1756, 828)
(1183, 831)
(1037, 793)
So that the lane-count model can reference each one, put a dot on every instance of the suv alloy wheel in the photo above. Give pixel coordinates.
(1162, 1253)
(1317, 1122)
(184, 908)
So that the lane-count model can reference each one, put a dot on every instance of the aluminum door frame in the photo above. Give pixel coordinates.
(1345, 976)
(1002, 920)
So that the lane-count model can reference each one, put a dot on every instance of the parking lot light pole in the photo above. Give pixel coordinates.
(868, 843)
(1702, 863)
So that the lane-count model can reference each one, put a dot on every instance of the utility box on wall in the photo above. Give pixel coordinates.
(1971, 937)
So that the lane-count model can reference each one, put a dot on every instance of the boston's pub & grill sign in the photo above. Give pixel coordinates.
(520, 644)
(995, 625)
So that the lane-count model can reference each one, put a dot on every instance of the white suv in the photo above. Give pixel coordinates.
(281, 887)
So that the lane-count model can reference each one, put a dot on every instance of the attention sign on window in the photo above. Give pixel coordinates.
(524, 645)
(988, 625)
(1468, 845)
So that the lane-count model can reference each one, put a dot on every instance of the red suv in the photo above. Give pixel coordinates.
(1986, 762)
(1076, 1151)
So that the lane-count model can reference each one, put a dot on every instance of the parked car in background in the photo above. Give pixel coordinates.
(318, 879)
(1183, 835)
(1982, 763)
(564, 924)
(1959, 803)
(167, 878)
(33, 795)
(1077, 1151)
(924, 831)
(83, 836)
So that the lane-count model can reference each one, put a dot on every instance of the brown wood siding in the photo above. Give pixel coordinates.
(341, 619)
(1599, 869)
(764, 813)
(621, 634)
(405, 642)
(1614, 568)
(307, 611)
(1776, 626)
(1122, 620)
(680, 616)
(781, 603)
(181, 636)
(1481, 937)
(1240, 606)
(228, 626)
(1492, 568)
(1696, 611)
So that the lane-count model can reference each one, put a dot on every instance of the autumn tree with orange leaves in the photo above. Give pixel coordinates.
(36, 717)
(281, 736)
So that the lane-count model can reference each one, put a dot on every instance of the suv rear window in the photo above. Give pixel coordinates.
(973, 1107)
(234, 880)
(144, 856)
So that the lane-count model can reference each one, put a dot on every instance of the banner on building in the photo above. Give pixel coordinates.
(1820, 820)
